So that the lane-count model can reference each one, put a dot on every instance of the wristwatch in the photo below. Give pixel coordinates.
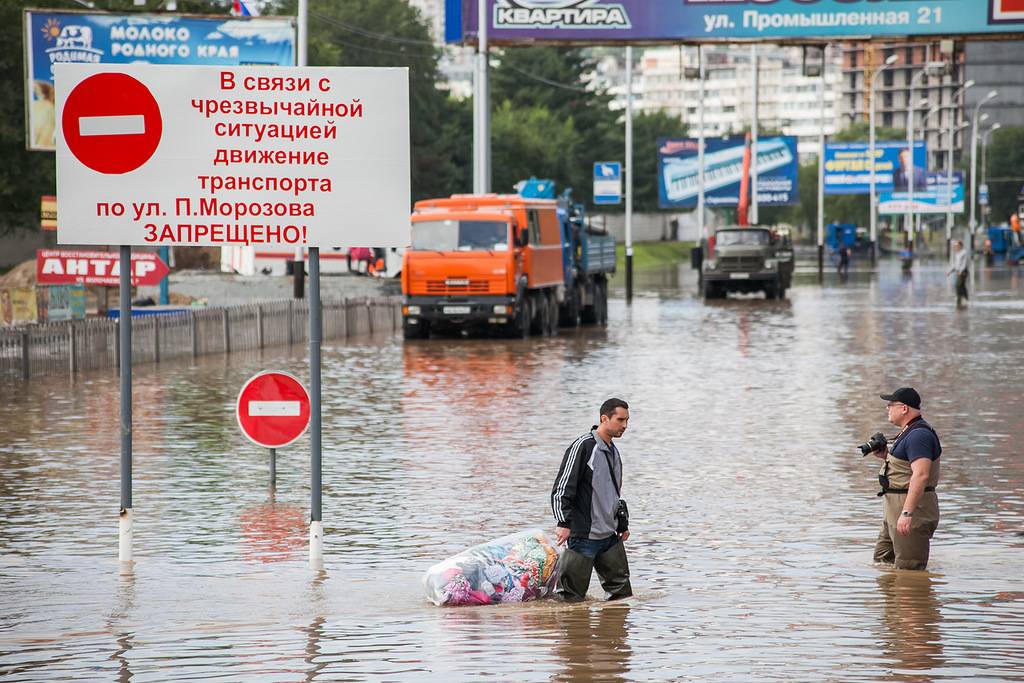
(906, 513)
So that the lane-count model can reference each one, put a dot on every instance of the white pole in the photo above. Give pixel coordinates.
(700, 144)
(302, 57)
(629, 173)
(821, 170)
(485, 95)
(753, 136)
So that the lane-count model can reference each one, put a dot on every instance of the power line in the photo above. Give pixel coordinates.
(541, 79)
(370, 34)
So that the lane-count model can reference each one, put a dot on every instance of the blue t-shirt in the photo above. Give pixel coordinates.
(918, 442)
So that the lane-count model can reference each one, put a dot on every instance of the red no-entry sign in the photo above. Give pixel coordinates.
(111, 123)
(273, 409)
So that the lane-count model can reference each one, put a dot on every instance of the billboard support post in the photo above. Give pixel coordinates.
(298, 264)
(481, 95)
(629, 174)
(702, 74)
(754, 66)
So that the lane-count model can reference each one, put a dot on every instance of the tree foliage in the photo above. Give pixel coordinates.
(1006, 161)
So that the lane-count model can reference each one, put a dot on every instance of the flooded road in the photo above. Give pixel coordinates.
(753, 514)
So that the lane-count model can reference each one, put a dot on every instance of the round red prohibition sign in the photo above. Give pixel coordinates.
(273, 409)
(111, 123)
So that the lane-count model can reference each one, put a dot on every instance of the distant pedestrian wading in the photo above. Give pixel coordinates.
(909, 475)
(960, 267)
(589, 513)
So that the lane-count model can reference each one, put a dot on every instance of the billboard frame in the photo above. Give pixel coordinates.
(27, 42)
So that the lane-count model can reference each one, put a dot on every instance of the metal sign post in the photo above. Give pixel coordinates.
(124, 322)
(316, 524)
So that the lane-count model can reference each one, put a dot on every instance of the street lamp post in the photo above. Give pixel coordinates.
(821, 169)
(949, 153)
(889, 61)
(931, 67)
(984, 161)
(949, 182)
(973, 225)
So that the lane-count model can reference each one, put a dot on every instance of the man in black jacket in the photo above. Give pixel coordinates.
(586, 503)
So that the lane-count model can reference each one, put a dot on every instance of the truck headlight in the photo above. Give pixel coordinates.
(411, 310)
(770, 263)
(502, 309)
(710, 263)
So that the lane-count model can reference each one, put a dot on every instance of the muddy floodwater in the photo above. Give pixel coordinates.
(753, 515)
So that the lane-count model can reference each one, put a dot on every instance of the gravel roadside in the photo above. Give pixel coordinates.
(228, 289)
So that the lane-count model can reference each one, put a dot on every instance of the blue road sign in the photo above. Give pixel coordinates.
(607, 182)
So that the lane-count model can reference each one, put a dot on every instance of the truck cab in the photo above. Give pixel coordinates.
(483, 263)
(747, 259)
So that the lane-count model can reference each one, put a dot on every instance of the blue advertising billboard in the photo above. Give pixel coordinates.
(626, 21)
(723, 171)
(934, 198)
(60, 37)
(848, 171)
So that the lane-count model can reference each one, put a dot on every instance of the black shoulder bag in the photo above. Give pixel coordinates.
(621, 510)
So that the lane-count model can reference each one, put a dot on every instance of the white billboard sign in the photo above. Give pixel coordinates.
(215, 156)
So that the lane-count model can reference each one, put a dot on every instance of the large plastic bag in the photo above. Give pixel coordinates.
(515, 568)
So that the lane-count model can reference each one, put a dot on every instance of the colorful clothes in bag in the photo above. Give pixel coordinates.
(516, 568)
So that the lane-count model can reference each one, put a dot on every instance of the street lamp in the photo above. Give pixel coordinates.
(912, 232)
(700, 73)
(974, 161)
(949, 150)
(951, 132)
(889, 61)
(984, 157)
(929, 68)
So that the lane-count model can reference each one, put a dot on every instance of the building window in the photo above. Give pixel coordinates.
(887, 78)
(887, 119)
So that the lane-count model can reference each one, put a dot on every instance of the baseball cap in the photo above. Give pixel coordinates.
(904, 395)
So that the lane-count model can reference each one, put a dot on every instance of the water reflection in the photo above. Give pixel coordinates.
(911, 634)
(592, 644)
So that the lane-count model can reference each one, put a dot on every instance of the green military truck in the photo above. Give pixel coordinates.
(746, 260)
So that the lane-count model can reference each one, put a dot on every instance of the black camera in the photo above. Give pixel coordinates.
(876, 443)
(622, 517)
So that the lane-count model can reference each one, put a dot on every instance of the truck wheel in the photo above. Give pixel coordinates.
(519, 327)
(770, 291)
(539, 306)
(569, 313)
(602, 303)
(712, 290)
(552, 314)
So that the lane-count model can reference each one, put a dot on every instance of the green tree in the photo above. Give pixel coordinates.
(1005, 172)
(556, 79)
(530, 141)
(392, 33)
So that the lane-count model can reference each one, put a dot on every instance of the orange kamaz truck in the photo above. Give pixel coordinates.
(503, 264)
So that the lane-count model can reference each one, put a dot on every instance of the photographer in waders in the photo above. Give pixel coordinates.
(589, 513)
(908, 477)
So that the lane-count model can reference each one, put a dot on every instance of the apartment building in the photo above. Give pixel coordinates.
(787, 100)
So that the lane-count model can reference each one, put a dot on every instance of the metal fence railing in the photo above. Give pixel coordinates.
(92, 344)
